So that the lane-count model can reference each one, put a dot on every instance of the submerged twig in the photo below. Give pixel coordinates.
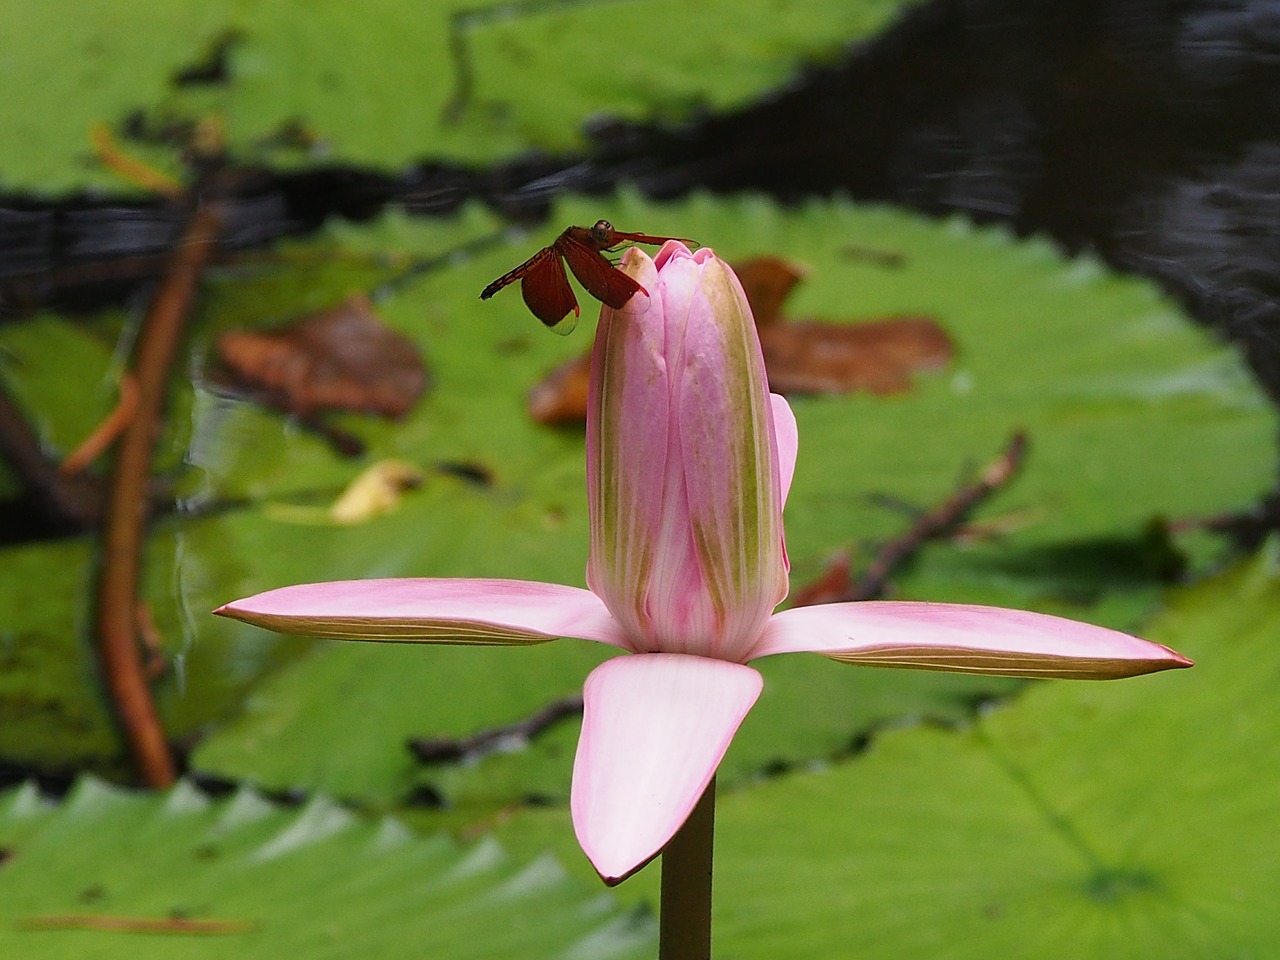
(1245, 528)
(105, 434)
(118, 924)
(440, 749)
(942, 521)
(73, 502)
(127, 506)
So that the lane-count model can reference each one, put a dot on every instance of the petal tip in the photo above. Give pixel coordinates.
(613, 874)
(655, 727)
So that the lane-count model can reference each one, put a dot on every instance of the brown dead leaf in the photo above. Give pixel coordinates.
(878, 356)
(833, 585)
(814, 357)
(561, 397)
(767, 282)
(807, 356)
(343, 358)
(376, 491)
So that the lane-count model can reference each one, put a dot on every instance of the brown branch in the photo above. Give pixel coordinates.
(116, 924)
(942, 521)
(106, 432)
(1246, 528)
(74, 503)
(441, 749)
(127, 506)
(131, 168)
(155, 663)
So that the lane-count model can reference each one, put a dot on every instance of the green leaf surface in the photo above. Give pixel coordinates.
(1132, 415)
(62, 376)
(1102, 820)
(371, 84)
(1138, 419)
(52, 712)
(315, 882)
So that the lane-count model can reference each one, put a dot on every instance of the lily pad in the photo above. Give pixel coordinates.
(61, 375)
(1049, 828)
(52, 712)
(377, 85)
(1143, 417)
(85, 877)
(1107, 820)
(1137, 420)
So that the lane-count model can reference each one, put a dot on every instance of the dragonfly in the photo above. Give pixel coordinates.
(545, 285)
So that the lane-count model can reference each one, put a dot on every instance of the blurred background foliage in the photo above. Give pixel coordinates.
(409, 155)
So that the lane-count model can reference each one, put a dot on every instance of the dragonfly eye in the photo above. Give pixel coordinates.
(602, 232)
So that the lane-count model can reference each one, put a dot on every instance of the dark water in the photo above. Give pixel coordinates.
(1149, 131)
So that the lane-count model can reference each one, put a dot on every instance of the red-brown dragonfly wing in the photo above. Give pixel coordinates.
(546, 290)
(511, 276)
(602, 279)
(645, 238)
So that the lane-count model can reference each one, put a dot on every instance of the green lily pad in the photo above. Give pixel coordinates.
(61, 375)
(1107, 820)
(52, 712)
(1099, 820)
(1143, 417)
(54, 715)
(376, 85)
(274, 882)
(1121, 429)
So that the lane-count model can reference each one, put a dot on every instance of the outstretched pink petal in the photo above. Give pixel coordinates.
(787, 436)
(963, 639)
(434, 610)
(654, 728)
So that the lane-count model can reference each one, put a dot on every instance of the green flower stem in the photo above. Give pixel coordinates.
(684, 927)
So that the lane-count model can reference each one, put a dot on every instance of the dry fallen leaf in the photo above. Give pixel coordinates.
(767, 282)
(561, 397)
(810, 356)
(878, 356)
(377, 490)
(343, 358)
(807, 356)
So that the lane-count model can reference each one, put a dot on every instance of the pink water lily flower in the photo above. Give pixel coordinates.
(689, 459)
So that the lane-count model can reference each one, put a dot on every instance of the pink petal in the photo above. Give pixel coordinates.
(655, 727)
(628, 437)
(432, 611)
(725, 545)
(676, 248)
(787, 438)
(963, 639)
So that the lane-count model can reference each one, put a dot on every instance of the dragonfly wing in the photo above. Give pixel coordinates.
(511, 276)
(546, 290)
(645, 238)
(602, 279)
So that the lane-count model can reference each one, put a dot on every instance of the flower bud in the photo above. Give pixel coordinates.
(682, 462)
